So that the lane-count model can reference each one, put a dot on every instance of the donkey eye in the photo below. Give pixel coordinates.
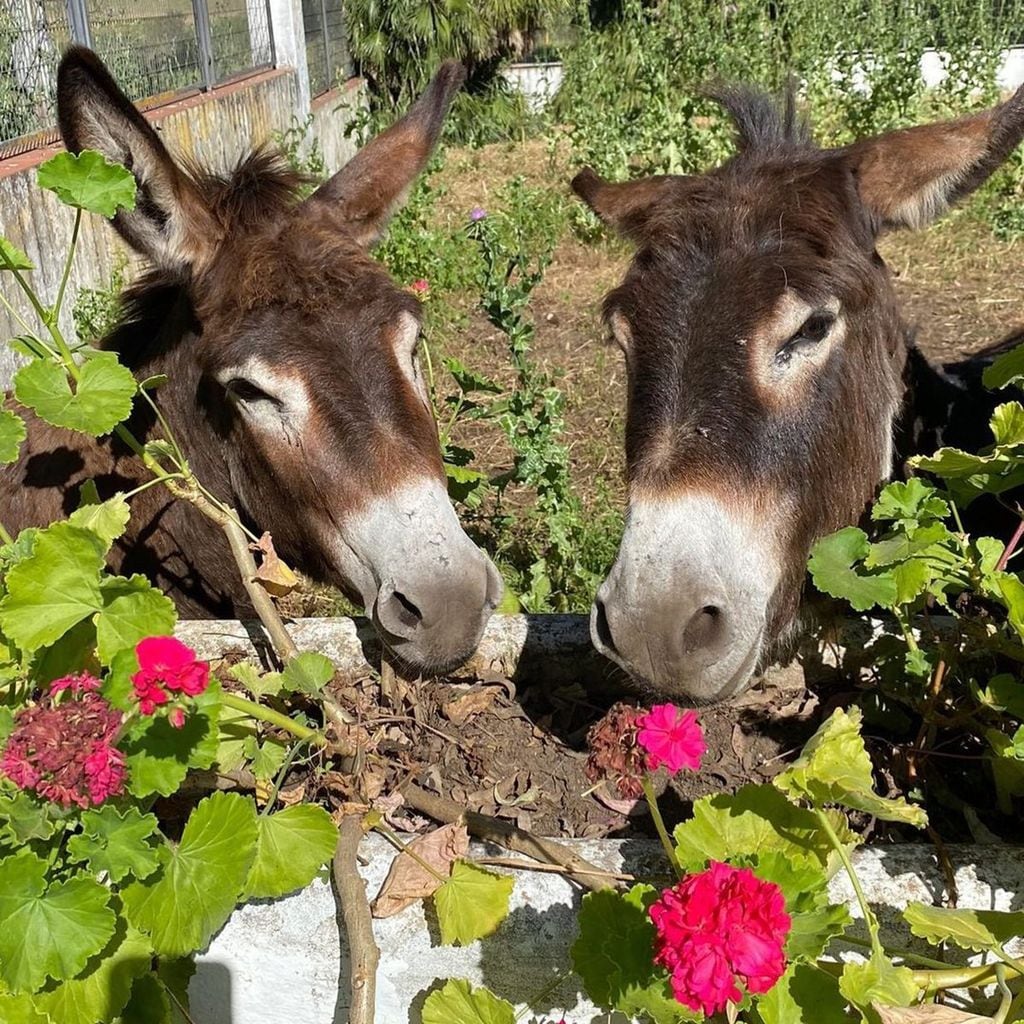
(245, 391)
(814, 329)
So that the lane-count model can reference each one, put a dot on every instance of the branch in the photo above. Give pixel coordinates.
(503, 833)
(355, 912)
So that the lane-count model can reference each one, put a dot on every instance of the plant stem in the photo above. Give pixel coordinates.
(865, 908)
(355, 912)
(67, 265)
(264, 714)
(659, 824)
(5, 537)
(903, 954)
(280, 777)
(1011, 547)
(406, 848)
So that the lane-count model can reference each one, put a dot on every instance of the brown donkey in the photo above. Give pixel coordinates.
(294, 384)
(765, 356)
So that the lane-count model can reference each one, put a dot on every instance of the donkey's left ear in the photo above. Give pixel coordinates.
(909, 177)
(376, 181)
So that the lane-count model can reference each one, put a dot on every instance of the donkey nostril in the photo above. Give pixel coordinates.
(405, 611)
(705, 629)
(601, 627)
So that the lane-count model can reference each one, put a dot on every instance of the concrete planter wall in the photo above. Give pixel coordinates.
(288, 961)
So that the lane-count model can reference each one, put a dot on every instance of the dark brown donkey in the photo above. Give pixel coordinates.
(765, 356)
(293, 386)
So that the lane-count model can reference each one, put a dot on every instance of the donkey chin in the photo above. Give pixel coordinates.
(427, 587)
(684, 609)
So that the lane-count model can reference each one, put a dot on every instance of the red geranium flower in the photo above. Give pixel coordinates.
(718, 930)
(167, 667)
(672, 737)
(65, 752)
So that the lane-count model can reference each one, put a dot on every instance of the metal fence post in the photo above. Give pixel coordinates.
(78, 20)
(270, 33)
(204, 39)
(328, 78)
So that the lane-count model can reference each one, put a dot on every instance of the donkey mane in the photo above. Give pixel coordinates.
(764, 122)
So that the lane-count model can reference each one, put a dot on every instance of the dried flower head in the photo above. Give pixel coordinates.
(614, 754)
(65, 751)
(717, 931)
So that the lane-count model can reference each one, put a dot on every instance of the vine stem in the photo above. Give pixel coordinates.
(865, 908)
(659, 824)
(272, 717)
(1011, 547)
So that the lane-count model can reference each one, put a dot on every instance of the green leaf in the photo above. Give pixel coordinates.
(912, 579)
(1005, 693)
(307, 673)
(805, 994)
(12, 258)
(469, 380)
(107, 519)
(614, 956)
(158, 756)
(1009, 587)
(471, 903)
(101, 399)
(813, 931)
(235, 731)
(148, 1004)
(1007, 369)
(57, 586)
(132, 609)
(834, 768)
(24, 818)
(877, 981)
(266, 684)
(89, 181)
(909, 503)
(977, 930)
(266, 758)
(101, 992)
(831, 566)
(459, 1003)
(12, 433)
(117, 842)
(1007, 424)
(201, 879)
(48, 931)
(292, 846)
(752, 823)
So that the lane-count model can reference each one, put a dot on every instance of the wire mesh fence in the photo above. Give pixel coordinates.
(327, 54)
(154, 48)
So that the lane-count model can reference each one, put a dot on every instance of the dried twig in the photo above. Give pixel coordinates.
(504, 833)
(543, 866)
(355, 913)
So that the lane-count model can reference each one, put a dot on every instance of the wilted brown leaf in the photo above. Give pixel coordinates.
(408, 882)
(930, 1014)
(462, 709)
(273, 575)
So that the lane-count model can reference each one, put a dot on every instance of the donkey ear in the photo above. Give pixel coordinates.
(95, 114)
(376, 181)
(626, 206)
(909, 177)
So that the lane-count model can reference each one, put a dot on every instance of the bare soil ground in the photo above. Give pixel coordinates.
(520, 755)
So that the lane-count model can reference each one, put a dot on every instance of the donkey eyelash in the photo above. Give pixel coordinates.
(246, 391)
(814, 330)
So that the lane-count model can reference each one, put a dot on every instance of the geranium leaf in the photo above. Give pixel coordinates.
(1006, 370)
(307, 673)
(459, 1003)
(24, 818)
(265, 684)
(102, 396)
(55, 587)
(101, 991)
(107, 519)
(148, 1004)
(832, 564)
(117, 842)
(159, 756)
(48, 931)
(877, 981)
(812, 931)
(12, 258)
(977, 930)
(200, 880)
(12, 433)
(132, 610)
(89, 181)
(909, 503)
(613, 957)
(471, 903)
(292, 846)
(265, 758)
(834, 768)
(805, 994)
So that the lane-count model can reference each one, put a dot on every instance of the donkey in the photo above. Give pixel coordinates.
(765, 359)
(293, 381)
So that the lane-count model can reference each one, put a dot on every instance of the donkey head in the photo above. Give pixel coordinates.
(292, 359)
(764, 353)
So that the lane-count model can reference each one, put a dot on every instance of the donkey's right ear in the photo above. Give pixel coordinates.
(95, 114)
(626, 206)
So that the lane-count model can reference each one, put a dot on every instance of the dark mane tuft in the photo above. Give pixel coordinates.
(259, 186)
(763, 122)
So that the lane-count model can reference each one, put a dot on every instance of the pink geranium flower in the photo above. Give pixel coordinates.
(719, 932)
(167, 668)
(671, 737)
